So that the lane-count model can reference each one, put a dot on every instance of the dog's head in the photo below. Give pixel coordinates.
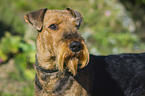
(59, 44)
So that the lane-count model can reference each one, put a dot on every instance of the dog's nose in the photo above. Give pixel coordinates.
(75, 46)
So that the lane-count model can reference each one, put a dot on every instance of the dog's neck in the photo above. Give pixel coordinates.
(55, 82)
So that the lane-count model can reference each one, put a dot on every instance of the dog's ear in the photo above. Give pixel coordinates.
(76, 15)
(36, 18)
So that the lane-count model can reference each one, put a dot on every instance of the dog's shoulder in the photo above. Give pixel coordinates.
(101, 82)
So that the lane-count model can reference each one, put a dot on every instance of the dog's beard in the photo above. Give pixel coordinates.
(66, 59)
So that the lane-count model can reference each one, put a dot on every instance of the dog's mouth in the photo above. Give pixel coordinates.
(72, 61)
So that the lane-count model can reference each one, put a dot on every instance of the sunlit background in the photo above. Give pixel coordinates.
(109, 27)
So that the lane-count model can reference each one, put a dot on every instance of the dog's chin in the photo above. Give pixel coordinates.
(72, 65)
(71, 61)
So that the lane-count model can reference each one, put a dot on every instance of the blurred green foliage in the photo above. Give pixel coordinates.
(107, 29)
(9, 44)
(15, 45)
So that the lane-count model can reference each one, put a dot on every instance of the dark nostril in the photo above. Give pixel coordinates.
(75, 46)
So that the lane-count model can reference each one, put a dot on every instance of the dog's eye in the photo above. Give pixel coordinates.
(53, 27)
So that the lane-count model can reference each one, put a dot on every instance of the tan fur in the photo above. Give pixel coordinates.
(53, 52)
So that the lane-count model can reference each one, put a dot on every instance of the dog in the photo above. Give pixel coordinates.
(64, 66)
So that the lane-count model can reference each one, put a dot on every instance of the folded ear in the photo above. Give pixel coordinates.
(76, 15)
(35, 18)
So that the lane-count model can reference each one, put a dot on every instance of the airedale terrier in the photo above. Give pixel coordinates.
(65, 68)
(60, 48)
